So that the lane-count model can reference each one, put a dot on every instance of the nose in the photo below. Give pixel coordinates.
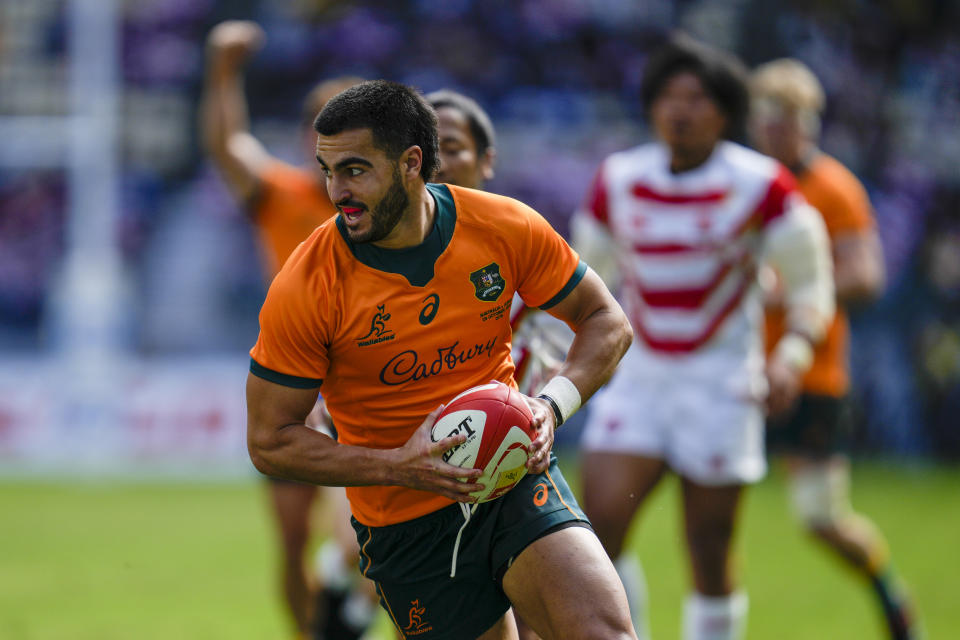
(337, 189)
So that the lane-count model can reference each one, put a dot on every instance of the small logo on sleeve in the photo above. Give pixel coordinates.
(488, 283)
(378, 329)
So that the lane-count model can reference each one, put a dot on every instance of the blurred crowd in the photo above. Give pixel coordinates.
(560, 80)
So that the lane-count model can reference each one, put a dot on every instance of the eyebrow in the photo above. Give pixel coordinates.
(346, 162)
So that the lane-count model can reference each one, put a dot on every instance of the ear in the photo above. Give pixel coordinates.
(486, 163)
(725, 127)
(410, 162)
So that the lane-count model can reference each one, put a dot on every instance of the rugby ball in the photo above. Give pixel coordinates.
(497, 422)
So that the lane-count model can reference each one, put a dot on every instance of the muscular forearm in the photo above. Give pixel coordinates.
(297, 452)
(289, 449)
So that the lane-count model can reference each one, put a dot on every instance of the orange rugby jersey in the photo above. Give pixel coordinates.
(842, 201)
(290, 204)
(392, 334)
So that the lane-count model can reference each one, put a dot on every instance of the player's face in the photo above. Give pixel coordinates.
(776, 130)
(459, 163)
(685, 116)
(365, 185)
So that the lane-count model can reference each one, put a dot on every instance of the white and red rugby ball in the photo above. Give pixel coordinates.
(497, 422)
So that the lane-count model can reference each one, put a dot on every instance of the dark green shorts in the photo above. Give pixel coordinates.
(818, 427)
(410, 562)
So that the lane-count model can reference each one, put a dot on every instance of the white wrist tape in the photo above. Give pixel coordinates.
(564, 395)
(795, 351)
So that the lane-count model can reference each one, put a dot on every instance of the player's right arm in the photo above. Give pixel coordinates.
(281, 444)
(223, 113)
(798, 247)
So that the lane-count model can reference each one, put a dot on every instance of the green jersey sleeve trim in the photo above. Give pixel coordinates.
(270, 375)
(567, 288)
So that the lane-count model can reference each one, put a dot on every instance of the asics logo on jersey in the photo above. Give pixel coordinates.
(429, 311)
(488, 283)
(408, 366)
(378, 329)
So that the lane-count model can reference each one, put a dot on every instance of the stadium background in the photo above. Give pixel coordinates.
(129, 280)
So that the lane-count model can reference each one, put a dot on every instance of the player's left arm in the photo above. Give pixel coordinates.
(858, 268)
(602, 336)
(281, 444)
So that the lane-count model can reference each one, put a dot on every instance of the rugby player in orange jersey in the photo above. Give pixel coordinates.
(285, 203)
(787, 102)
(395, 306)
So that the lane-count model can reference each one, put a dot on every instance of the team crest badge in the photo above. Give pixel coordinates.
(488, 282)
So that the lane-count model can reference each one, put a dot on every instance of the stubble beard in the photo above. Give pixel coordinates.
(387, 213)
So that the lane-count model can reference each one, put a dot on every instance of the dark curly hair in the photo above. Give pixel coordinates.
(723, 76)
(397, 115)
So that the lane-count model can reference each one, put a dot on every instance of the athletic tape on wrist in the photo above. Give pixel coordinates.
(794, 350)
(563, 396)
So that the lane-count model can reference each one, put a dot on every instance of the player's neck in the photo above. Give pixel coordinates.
(415, 224)
(682, 160)
(423, 213)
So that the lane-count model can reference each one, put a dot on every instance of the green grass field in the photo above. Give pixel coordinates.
(105, 560)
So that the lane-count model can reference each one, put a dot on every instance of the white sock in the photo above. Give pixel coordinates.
(715, 618)
(635, 584)
(332, 567)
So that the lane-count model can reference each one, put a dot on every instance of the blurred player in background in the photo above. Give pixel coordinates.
(401, 253)
(466, 139)
(285, 203)
(467, 156)
(689, 219)
(787, 100)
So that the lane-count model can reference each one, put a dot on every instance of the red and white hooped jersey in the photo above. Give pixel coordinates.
(688, 247)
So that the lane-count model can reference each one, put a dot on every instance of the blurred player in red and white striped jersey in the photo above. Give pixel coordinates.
(684, 224)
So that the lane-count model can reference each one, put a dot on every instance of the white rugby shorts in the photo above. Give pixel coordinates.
(704, 427)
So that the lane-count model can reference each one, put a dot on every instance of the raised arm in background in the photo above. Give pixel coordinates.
(224, 122)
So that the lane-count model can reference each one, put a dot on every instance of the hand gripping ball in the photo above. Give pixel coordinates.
(497, 422)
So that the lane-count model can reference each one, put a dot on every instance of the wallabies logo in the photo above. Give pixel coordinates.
(417, 624)
(488, 283)
(378, 329)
